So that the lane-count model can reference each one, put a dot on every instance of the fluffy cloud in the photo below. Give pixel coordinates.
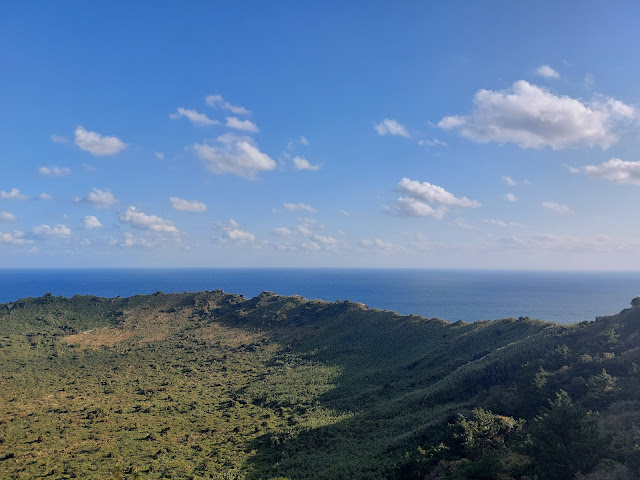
(54, 171)
(298, 206)
(533, 117)
(301, 163)
(98, 198)
(246, 125)
(217, 101)
(13, 194)
(97, 144)
(195, 117)
(187, 205)
(91, 222)
(391, 127)
(159, 155)
(320, 242)
(547, 72)
(415, 208)
(556, 207)
(236, 155)
(308, 227)
(418, 198)
(427, 192)
(510, 197)
(45, 196)
(7, 217)
(57, 231)
(231, 232)
(15, 238)
(143, 221)
(615, 170)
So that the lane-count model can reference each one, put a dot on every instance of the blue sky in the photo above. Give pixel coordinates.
(355, 134)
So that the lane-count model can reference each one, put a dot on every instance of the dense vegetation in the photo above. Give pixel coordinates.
(212, 385)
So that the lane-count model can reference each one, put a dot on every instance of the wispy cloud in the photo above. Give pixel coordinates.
(246, 125)
(217, 101)
(391, 127)
(298, 206)
(556, 207)
(54, 171)
(187, 205)
(195, 117)
(510, 197)
(7, 217)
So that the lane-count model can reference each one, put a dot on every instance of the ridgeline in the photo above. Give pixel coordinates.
(213, 385)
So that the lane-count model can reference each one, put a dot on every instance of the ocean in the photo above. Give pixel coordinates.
(467, 295)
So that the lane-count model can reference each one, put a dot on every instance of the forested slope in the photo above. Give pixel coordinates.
(213, 385)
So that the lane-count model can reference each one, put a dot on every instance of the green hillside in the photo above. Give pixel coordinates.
(213, 385)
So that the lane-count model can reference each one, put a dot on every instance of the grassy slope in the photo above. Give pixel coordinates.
(210, 385)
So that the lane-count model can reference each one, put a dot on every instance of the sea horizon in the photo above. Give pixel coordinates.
(559, 296)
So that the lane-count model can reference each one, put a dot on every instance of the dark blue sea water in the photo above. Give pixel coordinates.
(467, 295)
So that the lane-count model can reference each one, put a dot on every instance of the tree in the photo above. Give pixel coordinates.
(564, 441)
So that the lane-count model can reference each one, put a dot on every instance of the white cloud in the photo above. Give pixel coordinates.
(281, 231)
(143, 221)
(427, 192)
(97, 144)
(45, 196)
(298, 206)
(91, 221)
(510, 197)
(614, 170)
(236, 155)
(432, 143)
(461, 224)
(54, 171)
(217, 101)
(500, 223)
(547, 72)
(301, 163)
(303, 140)
(195, 117)
(57, 231)
(509, 181)
(13, 194)
(533, 117)
(98, 198)
(391, 127)
(131, 241)
(415, 208)
(58, 139)
(231, 232)
(7, 217)
(159, 155)
(376, 244)
(345, 213)
(246, 125)
(187, 205)
(556, 207)
(15, 238)
(308, 227)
